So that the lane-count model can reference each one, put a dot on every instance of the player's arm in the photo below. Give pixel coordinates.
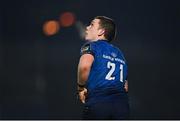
(84, 68)
(126, 85)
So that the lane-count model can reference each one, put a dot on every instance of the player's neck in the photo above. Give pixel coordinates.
(101, 38)
(98, 38)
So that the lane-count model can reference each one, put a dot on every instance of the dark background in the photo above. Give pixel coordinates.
(38, 72)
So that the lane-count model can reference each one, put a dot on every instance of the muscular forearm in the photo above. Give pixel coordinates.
(83, 74)
(84, 67)
(82, 78)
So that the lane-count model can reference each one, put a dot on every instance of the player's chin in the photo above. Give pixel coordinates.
(87, 38)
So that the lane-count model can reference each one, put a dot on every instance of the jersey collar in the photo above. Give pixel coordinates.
(103, 40)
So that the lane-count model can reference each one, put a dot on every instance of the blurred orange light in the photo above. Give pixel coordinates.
(51, 27)
(67, 19)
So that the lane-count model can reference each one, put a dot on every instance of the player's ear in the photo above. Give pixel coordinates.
(101, 32)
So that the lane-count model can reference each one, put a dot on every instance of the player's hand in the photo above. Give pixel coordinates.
(82, 95)
(126, 86)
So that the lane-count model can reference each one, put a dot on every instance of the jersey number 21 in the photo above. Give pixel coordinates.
(112, 67)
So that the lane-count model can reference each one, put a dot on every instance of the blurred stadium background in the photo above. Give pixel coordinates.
(39, 52)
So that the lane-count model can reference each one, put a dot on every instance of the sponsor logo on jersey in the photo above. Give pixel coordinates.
(113, 54)
(85, 48)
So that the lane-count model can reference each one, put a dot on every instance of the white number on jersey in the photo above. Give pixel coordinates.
(112, 67)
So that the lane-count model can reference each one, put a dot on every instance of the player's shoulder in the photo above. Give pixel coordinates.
(118, 50)
(90, 44)
(87, 47)
(121, 54)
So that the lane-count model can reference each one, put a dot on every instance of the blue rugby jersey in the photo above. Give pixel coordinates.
(108, 72)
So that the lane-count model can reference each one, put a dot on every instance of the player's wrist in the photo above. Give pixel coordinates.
(81, 87)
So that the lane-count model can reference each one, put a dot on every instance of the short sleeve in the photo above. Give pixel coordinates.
(87, 49)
